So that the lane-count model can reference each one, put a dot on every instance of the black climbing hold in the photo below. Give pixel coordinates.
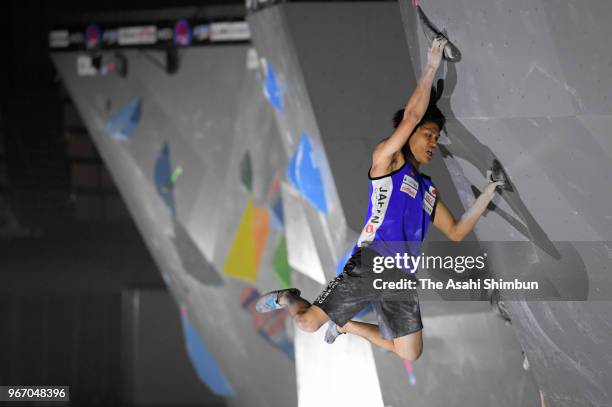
(451, 52)
(498, 306)
(498, 174)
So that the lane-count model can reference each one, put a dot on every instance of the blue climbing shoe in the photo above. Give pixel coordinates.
(269, 301)
(332, 332)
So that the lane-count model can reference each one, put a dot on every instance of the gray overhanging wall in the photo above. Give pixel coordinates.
(532, 90)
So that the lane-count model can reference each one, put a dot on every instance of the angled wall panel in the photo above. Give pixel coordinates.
(532, 90)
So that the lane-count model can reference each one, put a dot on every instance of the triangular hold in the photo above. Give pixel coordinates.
(203, 361)
(281, 263)
(193, 260)
(122, 125)
(301, 250)
(241, 261)
(304, 174)
(272, 90)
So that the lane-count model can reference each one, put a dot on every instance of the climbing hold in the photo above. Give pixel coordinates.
(304, 174)
(451, 52)
(498, 174)
(122, 125)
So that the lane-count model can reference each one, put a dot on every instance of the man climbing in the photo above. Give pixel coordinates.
(402, 204)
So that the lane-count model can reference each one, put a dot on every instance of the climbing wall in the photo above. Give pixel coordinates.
(247, 171)
(339, 85)
(532, 90)
(195, 157)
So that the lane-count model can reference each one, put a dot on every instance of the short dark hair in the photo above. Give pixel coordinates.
(433, 114)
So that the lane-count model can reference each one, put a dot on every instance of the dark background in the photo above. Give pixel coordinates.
(70, 255)
(71, 258)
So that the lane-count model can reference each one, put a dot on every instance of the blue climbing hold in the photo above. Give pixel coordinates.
(122, 125)
(303, 173)
(272, 89)
(204, 362)
(163, 173)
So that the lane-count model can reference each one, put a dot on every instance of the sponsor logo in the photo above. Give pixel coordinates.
(165, 34)
(92, 37)
(182, 33)
(369, 228)
(139, 35)
(428, 203)
(233, 31)
(433, 191)
(330, 287)
(409, 190)
(410, 181)
(59, 39)
(85, 66)
(110, 37)
(76, 39)
(430, 199)
(409, 186)
(201, 32)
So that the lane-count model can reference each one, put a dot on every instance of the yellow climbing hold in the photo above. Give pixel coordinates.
(240, 261)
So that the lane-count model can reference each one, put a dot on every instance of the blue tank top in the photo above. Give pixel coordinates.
(400, 210)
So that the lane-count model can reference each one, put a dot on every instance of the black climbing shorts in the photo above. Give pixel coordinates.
(397, 310)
